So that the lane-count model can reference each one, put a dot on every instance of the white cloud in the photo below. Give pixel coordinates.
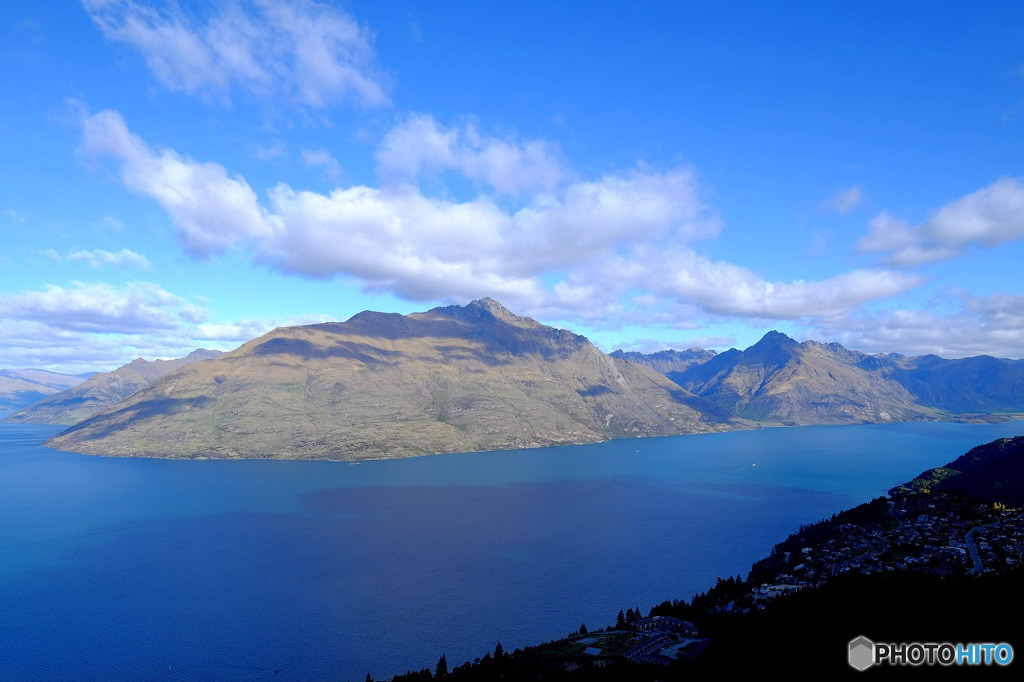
(419, 146)
(98, 327)
(312, 53)
(112, 223)
(321, 158)
(211, 210)
(578, 250)
(845, 200)
(13, 216)
(135, 308)
(974, 325)
(989, 217)
(726, 289)
(98, 258)
(269, 153)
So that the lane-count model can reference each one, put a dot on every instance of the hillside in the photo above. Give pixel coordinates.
(21, 387)
(452, 379)
(102, 390)
(993, 472)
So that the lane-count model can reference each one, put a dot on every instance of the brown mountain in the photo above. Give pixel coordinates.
(21, 387)
(783, 381)
(102, 390)
(451, 379)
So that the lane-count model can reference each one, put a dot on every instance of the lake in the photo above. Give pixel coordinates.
(191, 570)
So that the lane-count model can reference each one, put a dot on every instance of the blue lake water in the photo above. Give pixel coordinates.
(176, 570)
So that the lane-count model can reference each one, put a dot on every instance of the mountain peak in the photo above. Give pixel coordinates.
(496, 309)
(481, 310)
(774, 337)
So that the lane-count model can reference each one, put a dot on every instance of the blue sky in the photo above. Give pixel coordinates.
(652, 175)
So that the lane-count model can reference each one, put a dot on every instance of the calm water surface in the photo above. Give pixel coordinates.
(172, 570)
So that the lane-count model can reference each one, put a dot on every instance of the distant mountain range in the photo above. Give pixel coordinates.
(21, 387)
(103, 390)
(780, 380)
(452, 379)
(477, 377)
(666, 361)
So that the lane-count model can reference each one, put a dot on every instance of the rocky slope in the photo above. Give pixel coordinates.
(452, 379)
(102, 390)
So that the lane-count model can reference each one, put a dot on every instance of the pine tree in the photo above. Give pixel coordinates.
(442, 667)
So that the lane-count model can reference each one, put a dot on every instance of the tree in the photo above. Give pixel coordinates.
(442, 667)
(583, 628)
(499, 652)
(620, 621)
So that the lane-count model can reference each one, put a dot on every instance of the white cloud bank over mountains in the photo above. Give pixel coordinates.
(92, 325)
(570, 247)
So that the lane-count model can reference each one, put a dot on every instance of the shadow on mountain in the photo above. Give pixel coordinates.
(113, 421)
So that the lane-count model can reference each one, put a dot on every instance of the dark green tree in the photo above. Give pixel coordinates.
(442, 667)
(583, 628)
(499, 652)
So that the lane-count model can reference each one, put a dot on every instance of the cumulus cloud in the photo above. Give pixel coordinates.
(727, 289)
(98, 327)
(987, 218)
(135, 308)
(575, 251)
(975, 325)
(211, 210)
(98, 258)
(312, 53)
(419, 146)
(845, 200)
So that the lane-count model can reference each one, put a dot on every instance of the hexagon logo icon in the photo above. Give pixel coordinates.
(862, 653)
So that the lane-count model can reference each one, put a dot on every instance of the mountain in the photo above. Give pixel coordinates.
(979, 384)
(102, 390)
(666, 361)
(780, 380)
(21, 387)
(452, 379)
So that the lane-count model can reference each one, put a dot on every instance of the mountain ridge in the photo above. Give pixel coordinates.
(451, 379)
(479, 377)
